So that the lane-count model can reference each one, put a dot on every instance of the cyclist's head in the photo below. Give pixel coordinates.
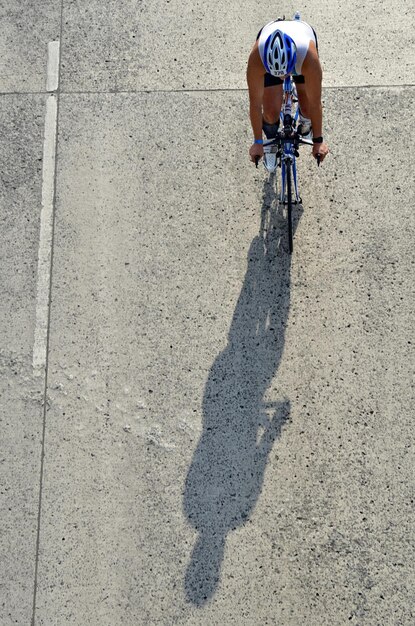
(280, 54)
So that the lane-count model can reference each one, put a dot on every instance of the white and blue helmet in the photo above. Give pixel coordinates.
(280, 54)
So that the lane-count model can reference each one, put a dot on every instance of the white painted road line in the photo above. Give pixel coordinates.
(45, 240)
(46, 215)
(52, 82)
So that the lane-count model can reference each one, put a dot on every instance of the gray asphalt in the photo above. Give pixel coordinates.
(223, 434)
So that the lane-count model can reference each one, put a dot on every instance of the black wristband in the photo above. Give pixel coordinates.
(317, 139)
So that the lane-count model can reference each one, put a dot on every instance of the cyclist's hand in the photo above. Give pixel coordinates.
(321, 150)
(256, 150)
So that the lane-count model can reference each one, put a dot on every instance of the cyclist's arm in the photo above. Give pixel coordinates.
(255, 78)
(313, 75)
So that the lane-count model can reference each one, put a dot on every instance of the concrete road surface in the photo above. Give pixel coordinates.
(198, 428)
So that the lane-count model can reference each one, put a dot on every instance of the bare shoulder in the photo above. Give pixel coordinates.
(255, 64)
(311, 63)
(255, 74)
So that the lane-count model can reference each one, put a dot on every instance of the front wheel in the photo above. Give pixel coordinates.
(289, 207)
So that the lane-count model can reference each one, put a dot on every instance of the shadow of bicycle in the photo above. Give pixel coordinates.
(239, 428)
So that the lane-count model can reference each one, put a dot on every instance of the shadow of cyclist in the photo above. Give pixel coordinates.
(227, 471)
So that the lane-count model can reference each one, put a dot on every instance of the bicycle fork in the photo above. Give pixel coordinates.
(288, 160)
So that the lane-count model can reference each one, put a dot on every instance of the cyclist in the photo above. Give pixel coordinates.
(285, 47)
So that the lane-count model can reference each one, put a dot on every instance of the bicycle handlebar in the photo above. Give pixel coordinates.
(294, 138)
(282, 138)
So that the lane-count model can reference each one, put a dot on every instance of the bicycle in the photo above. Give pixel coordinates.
(282, 152)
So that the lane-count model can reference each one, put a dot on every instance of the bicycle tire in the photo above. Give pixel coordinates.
(289, 208)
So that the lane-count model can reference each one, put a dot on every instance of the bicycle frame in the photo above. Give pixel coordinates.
(289, 122)
(285, 148)
(286, 143)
